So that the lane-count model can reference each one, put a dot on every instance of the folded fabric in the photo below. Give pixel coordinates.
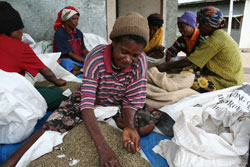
(163, 89)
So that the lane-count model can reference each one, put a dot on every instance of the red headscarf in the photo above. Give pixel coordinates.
(58, 22)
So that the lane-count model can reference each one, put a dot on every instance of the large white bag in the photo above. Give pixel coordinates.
(21, 107)
(50, 60)
(216, 135)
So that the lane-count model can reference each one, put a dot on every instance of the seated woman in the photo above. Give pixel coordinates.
(216, 63)
(154, 48)
(190, 36)
(69, 40)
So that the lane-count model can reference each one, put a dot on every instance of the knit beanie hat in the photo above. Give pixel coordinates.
(188, 18)
(9, 18)
(155, 19)
(131, 24)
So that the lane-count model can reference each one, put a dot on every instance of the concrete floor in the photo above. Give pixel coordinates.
(246, 64)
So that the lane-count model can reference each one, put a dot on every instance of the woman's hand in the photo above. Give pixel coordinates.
(107, 157)
(162, 67)
(60, 82)
(131, 140)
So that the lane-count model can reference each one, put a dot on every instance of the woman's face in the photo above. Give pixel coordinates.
(73, 21)
(204, 28)
(18, 34)
(125, 52)
(185, 29)
(152, 30)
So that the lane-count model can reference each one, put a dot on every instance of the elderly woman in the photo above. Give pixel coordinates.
(69, 40)
(190, 37)
(113, 75)
(217, 62)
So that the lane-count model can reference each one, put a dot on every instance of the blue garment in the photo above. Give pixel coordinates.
(147, 144)
(66, 42)
(68, 64)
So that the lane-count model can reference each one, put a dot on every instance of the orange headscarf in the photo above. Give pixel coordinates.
(58, 22)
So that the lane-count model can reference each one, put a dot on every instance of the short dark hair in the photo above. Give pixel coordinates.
(137, 39)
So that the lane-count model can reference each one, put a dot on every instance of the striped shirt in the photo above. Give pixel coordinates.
(185, 44)
(102, 85)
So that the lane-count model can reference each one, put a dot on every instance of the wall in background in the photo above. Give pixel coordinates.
(39, 16)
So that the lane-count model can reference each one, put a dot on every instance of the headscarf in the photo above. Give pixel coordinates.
(155, 19)
(64, 15)
(155, 41)
(211, 16)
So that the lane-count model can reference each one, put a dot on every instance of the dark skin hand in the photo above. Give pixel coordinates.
(75, 57)
(107, 157)
(130, 136)
(158, 48)
(50, 76)
(175, 64)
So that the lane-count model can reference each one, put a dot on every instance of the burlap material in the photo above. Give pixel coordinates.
(163, 88)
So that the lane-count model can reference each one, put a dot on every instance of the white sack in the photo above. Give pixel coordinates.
(50, 60)
(43, 145)
(199, 100)
(216, 135)
(21, 107)
(26, 38)
(92, 40)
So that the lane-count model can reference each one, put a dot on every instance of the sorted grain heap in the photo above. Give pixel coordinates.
(78, 147)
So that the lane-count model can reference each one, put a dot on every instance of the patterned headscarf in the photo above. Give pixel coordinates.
(211, 16)
(64, 15)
